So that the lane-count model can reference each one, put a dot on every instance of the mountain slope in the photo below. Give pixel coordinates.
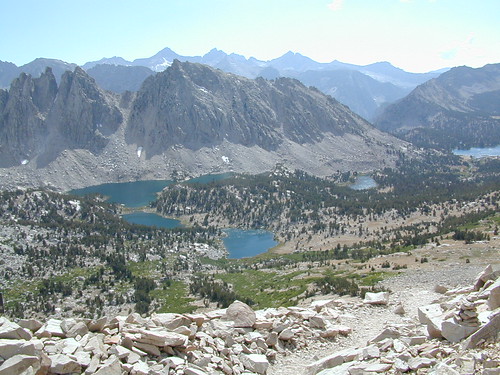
(456, 109)
(363, 94)
(39, 119)
(214, 107)
(186, 121)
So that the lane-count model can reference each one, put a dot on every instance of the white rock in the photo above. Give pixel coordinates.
(432, 316)
(78, 329)
(255, 362)
(286, 334)
(99, 324)
(170, 321)
(241, 314)
(419, 362)
(443, 369)
(381, 298)
(194, 371)
(317, 321)
(369, 352)
(334, 330)
(140, 368)
(18, 364)
(454, 332)
(483, 277)
(174, 362)
(494, 295)
(83, 358)
(10, 348)
(318, 305)
(11, 330)
(342, 369)
(32, 324)
(332, 360)
(110, 367)
(52, 328)
(63, 364)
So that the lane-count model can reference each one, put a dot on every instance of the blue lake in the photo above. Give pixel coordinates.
(363, 183)
(239, 243)
(139, 193)
(479, 152)
(247, 243)
(150, 219)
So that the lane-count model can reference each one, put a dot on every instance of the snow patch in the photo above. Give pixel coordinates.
(225, 159)
(162, 66)
(139, 151)
(24, 162)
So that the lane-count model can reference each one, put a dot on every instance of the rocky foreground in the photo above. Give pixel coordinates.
(456, 335)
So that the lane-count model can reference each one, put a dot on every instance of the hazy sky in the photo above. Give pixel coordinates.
(415, 35)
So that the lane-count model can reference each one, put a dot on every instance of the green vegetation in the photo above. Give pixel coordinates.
(79, 249)
(173, 298)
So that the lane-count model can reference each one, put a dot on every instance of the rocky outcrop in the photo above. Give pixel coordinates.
(239, 340)
(235, 340)
(82, 114)
(21, 121)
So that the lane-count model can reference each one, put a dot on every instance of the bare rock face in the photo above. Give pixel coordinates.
(196, 106)
(82, 114)
(21, 122)
(39, 118)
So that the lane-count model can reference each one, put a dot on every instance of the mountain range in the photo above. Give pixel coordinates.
(365, 93)
(458, 109)
(190, 119)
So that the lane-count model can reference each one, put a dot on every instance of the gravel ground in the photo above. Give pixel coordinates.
(412, 288)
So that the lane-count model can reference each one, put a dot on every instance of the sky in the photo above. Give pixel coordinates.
(414, 35)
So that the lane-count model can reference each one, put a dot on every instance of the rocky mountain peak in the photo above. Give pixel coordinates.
(197, 106)
(45, 90)
(82, 113)
(40, 118)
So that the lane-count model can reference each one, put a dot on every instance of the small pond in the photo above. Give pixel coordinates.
(479, 152)
(363, 183)
(247, 243)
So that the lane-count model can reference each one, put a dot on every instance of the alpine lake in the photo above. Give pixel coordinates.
(136, 195)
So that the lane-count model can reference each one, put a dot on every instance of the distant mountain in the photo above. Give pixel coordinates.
(118, 78)
(289, 65)
(9, 71)
(335, 78)
(107, 61)
(363, 94)
(460, 109)
(385, 72)
(191, 119)
(294, 62)
(38, 66)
